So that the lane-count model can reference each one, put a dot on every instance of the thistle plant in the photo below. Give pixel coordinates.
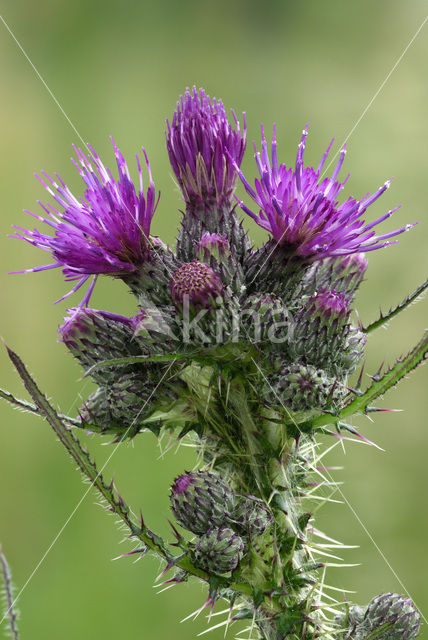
(245, 352)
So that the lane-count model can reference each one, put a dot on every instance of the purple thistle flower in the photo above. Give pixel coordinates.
(204, 148)
(197, 284)
(104, 232)
(301, 211)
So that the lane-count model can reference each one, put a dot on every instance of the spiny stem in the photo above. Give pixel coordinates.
(383, 319)
(10, 612)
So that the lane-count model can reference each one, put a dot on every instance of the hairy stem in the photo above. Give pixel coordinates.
(10, 612)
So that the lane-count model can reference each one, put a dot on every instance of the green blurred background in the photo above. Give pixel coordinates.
(118, 68)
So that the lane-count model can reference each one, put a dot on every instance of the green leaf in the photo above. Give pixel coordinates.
(383, 319)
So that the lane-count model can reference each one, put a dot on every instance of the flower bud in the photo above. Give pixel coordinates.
(342, 274)
(323, 335)
(93, 336)
(303, 387)
(201, 500)
(123, 405)
(196, 284)
(218, 550)
(266, 319)
(390, 616)
(251, 517)
(212, 245)
(215, 250)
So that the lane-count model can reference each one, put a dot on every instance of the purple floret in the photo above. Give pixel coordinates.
(299, 208)
(332, 303)
(203, 149)
(181, 483)
(104, 232)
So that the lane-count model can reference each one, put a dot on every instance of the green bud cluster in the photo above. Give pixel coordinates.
(224, 521)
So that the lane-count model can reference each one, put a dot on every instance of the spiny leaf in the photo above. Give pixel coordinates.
(383, 319)
(10, 612)
(167, 357)
(31, 408)
(85, 463)
(380, 385)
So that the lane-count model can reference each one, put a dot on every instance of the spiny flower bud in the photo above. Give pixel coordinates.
(266, 318)
(251, 517)
(331, 304)
(200, 500)
(196, 284)
(218, 550)
(212, 245)
(390, 616)
(155, 329)
(323, 335)
(350, 618)
(96, 412)
(303, 387)
(342, 274)
(93, 336)
(214, 249)
(123, 405)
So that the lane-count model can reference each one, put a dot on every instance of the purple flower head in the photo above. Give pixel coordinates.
(104, 232)
(331, 303)
(197, 283)
(204, 148)
(300, 209)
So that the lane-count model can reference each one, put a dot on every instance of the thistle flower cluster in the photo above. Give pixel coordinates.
(248, 349)
(293, 295)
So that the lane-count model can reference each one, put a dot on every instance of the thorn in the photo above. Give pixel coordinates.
(376, 409)
(377, 375)
(141, 551)
(360, 377)
(175, 532)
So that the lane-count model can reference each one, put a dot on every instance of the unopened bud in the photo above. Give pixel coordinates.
(218, 550)
(201, 500)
